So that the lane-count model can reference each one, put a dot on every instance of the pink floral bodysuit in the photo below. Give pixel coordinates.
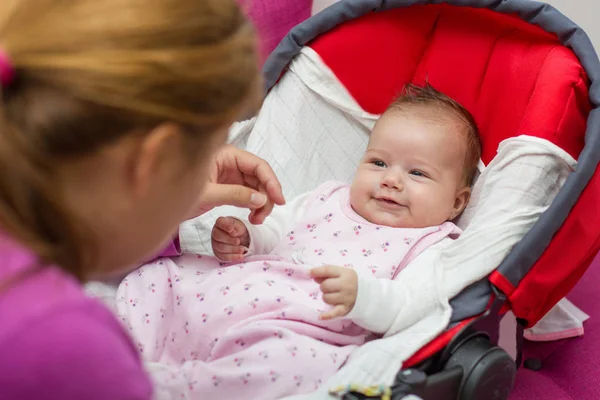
(252, 330)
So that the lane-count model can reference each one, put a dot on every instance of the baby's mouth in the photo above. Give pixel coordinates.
(388, 202)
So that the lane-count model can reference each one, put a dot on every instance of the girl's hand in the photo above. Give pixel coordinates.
(240, 179)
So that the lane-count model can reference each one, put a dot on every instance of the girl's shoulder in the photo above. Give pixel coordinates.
(69, 344)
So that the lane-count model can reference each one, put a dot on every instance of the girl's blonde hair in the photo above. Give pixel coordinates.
(89, 72)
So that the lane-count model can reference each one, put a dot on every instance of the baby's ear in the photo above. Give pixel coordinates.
(460, 202)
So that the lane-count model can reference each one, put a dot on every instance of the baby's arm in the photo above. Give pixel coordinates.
(264, 238)
(260, 239)
(387, 306)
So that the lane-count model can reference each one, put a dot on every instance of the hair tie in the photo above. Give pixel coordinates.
(7, 71)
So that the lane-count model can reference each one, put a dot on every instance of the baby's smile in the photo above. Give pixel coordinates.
(388, 203)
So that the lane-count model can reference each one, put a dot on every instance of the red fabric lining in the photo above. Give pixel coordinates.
(514, 77)
(570, 253)
(500, 281)
(435, 345)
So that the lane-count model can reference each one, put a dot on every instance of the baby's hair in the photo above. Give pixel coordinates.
(89, 72)
(430, 97)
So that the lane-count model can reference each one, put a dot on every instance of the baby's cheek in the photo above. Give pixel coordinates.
(356, 200)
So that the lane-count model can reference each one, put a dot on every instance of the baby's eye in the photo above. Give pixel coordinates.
(417, 173)
(378, 163)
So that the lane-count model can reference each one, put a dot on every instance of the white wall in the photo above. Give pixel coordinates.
(586, 13)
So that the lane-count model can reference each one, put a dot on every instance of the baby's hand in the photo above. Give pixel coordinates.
(339, 286)
(230, 239)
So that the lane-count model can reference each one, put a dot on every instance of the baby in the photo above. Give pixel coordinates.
(416, 173)
(285, 303)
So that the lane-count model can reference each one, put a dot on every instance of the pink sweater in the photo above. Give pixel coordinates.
(56, 343)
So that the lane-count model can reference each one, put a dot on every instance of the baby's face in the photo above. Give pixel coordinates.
(412, 173)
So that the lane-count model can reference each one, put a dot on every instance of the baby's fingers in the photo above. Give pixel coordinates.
(228, 249)
(331, 285)
(219, 235)
(232, 226)
(334, 298)
(227, 252)
(338, 311)
(327, 271)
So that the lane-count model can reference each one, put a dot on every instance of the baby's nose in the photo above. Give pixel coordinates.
(392, 181)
